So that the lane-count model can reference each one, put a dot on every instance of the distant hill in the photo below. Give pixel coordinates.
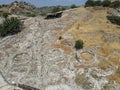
(23, 8)
(18, 8)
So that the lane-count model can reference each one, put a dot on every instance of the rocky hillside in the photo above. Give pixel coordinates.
(18, 8)
(23, 8)
(39, 58)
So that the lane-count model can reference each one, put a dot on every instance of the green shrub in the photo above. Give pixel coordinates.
(104, 3)
(73, 6)
(89, 3)
(98, 3)
(93, 3)
(5, 15)
(43, 14)
(0, 6)
(56, 9)
(115, 4)
(10, 26)
(114, 19)
(79, 44)
(60, 37)
(30, 14)
(63, 8)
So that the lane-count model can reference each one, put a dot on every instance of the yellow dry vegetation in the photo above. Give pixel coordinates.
(86, 56)
(95, 30)
(105, 50)
(65, 48)
(91, 27)
(115, 45)
(113, 62)
(115, 77)
(79, 78)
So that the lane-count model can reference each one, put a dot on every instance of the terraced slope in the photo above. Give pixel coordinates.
(38, 57)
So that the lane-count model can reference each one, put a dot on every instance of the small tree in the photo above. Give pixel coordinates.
(115, 4)
(5, 15)
(89, 3)
(63, 8)
(73, 6)
(98, 3)
(106, 3)
(0, 6)
(79, 44)
(60, 37)
(56, 9)
(114, 19)
(28, 14)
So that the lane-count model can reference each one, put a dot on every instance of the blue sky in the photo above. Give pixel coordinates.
(41, 3)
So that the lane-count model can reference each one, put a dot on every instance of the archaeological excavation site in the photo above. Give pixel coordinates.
(73, 49)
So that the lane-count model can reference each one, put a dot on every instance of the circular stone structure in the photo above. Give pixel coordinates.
(21, 58)
(86, 57)
(55, 54)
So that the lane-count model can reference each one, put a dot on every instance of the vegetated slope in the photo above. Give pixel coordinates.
(102, 37)
(24, 8)
(43, 54)
(18, 8)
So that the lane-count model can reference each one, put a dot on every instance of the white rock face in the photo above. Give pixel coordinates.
(31, 58)
(67, 36)
(58, 87)
(1, 20)
(4, 85)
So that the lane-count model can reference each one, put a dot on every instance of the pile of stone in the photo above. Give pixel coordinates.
(116, 12)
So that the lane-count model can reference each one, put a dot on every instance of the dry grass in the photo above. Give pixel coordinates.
(86, 56)
(91, 31)
(105, 50)
(113, 61)
(115, 45)
(91, 27)
(97, 22)
(79, 78)
(115, 77)
(104, 65)
(65, 48)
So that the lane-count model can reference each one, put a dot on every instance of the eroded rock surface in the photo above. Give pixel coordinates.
(35, 58)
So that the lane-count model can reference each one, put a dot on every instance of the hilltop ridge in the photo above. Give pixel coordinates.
(23, 8)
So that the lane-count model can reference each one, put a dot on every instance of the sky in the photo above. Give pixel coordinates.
(41, 3)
